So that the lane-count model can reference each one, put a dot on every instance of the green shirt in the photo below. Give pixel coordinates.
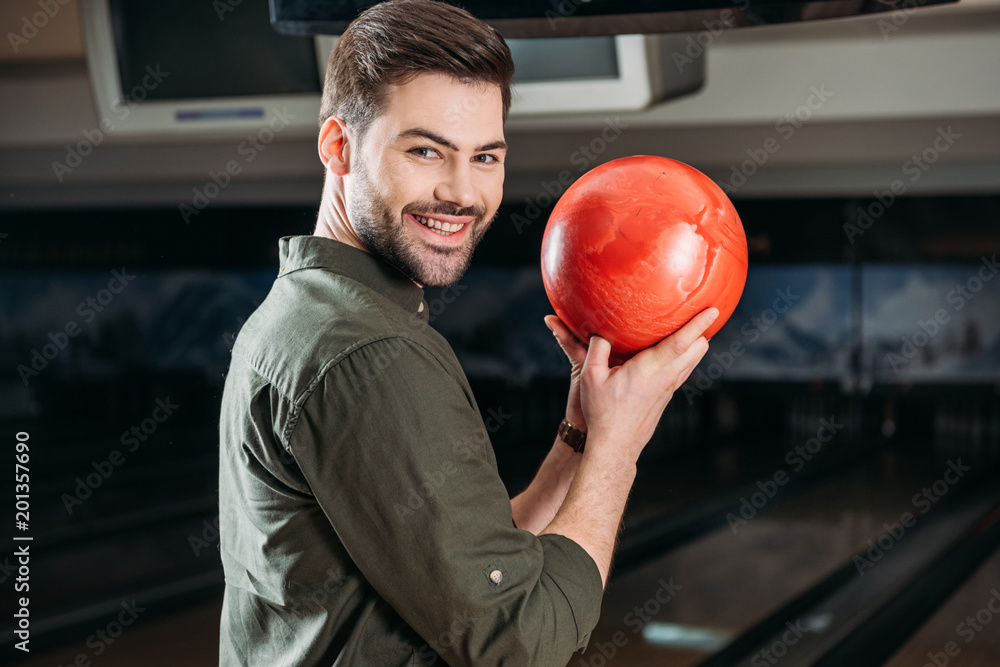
(362, 518)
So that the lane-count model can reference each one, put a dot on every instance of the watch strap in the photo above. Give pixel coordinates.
(572, 436)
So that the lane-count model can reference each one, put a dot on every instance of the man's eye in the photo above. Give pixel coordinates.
(423, 151)
(486, 158)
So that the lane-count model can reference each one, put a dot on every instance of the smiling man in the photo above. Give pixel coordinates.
(437, 151)
(362, 518)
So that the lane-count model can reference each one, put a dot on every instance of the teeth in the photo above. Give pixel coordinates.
(443, 228)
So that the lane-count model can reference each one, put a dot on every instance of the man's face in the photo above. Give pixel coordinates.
(434, 158)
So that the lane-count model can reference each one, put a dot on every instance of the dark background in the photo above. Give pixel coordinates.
(122, 524)
(167, 336)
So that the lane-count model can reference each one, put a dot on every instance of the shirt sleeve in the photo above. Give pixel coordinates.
(398, 458)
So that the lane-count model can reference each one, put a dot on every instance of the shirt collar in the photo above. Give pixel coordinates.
(318, 252)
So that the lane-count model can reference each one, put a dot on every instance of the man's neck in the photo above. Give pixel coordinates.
(332, 223)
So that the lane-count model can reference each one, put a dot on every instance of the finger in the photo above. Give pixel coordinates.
(685, 364)
(689, 368)
(558, 327)
(677, 343)
(596, 363)
(570, 344)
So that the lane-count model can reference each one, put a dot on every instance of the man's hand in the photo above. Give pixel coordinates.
(623, 404)
(577, 353)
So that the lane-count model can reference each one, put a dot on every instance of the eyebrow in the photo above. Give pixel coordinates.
(438, 139)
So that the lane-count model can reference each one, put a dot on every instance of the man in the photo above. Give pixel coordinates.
(363, 521)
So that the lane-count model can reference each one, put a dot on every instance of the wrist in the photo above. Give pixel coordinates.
(574, 414)
(572, 434)
(612, 450)
(614, 462)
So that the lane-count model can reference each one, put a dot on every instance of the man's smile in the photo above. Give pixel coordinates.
(436, 223)
(446, 228)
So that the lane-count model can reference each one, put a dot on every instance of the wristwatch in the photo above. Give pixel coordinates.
(572, 436)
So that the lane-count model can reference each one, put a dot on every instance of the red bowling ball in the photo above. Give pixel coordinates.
(637, 247)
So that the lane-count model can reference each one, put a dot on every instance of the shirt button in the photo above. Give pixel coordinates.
(420, 308)
(496, 576)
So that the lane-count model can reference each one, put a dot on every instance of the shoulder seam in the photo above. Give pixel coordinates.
(296, 402)
(253, 366)
(299, 402)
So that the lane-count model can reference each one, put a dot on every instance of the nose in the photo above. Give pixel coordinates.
(457, 186)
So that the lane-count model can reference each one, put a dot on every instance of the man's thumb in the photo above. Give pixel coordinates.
(598, 353)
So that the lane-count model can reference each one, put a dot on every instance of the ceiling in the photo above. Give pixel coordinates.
(890, 84)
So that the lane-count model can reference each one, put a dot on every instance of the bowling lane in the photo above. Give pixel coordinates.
(690, 602)
(965, 631)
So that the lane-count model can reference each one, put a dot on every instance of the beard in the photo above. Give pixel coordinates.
(384, 235)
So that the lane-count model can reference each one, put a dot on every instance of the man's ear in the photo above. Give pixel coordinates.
(334, 146)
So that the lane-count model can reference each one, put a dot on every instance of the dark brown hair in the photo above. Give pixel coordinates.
(394, 41)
